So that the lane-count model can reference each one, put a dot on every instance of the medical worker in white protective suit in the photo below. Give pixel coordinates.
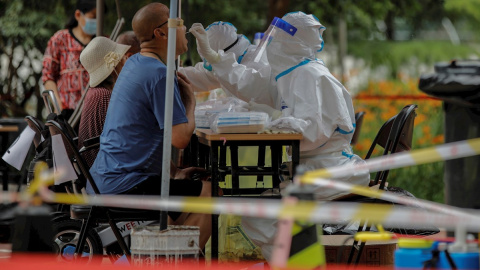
(244, 79)
(311, 93)
(232, 48)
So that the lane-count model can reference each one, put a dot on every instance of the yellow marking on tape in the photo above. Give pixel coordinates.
(40, 167)
(301, 210)
(373, 212)
(367, 192)
(199, 205)
(309, 258)
(425, 156)
(175, 22)
(309, 177)
(69, 199)
(475, 145)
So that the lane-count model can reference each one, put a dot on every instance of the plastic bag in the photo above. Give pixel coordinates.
(234, 245)
(206, 111)
(239, 122)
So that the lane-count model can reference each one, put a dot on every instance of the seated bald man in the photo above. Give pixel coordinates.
(131, 144)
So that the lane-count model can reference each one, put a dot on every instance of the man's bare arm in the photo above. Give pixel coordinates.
(182, 133)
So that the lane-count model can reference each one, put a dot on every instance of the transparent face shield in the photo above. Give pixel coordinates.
(274, 28)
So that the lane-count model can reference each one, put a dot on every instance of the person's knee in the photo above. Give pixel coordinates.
(206, 189)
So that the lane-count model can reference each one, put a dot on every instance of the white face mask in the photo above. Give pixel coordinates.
(90, 27)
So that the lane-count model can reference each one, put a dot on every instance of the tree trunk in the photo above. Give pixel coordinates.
(276, 8)
(342, 45)
(389, 22)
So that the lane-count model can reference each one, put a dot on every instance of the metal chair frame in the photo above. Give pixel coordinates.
(96, 214)
(394, 136)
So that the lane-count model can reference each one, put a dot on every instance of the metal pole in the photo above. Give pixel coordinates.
(100, 13)
(167, 131)
(117, 5)
(179, 15)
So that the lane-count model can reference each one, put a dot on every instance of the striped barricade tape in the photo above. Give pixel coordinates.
(319, 212)
(415, 157)
(391, 197)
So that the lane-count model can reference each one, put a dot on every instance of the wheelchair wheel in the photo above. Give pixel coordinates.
(66, 238)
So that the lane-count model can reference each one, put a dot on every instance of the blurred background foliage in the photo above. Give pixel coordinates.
(375, 47)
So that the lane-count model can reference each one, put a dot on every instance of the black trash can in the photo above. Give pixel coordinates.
(458, 84)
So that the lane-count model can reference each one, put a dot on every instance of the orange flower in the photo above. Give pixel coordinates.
(439, 139)
(420, 119)
(426, 130)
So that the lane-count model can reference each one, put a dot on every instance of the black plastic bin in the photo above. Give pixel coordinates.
(458, 84)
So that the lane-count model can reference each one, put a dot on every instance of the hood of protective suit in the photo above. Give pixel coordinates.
(286, 51)
(223, 36)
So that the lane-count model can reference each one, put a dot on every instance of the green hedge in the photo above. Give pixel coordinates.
(396, 54)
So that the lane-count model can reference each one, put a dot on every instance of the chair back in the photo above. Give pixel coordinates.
(358, 127)
(50, 101)
(37, 127)
(73, 154)
(394, 136)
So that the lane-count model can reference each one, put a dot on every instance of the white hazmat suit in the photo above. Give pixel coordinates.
(247, 81)
(303, 84)
(221, 35)
(312, 93)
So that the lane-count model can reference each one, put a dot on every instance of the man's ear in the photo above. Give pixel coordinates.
(162, 32)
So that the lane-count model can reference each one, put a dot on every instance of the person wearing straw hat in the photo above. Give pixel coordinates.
(103, 59)
(131, 145)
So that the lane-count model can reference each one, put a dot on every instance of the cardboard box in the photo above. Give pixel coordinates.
(374, 253)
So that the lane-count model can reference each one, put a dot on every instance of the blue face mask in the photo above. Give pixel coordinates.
(90, 27)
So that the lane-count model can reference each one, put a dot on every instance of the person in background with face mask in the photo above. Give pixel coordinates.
(62, 71)
(103, 59)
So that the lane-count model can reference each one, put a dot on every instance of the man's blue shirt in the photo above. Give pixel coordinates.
(131, 144)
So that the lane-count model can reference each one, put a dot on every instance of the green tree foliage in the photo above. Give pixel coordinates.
(25, 27)
(469, 8)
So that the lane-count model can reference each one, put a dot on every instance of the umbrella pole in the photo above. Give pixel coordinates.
(167, 132)
(100, 16)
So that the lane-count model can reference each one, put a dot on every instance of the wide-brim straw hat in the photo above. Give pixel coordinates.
(100, 57)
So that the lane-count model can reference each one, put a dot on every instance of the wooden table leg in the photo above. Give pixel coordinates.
(234, 169)
(295, 156)
(276, 162)
(215, 177)
(261, 162)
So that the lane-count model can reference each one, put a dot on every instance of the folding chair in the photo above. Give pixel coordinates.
(394, 136)
(94, 215)
(37, 127)
(358, 127)
(50, 101)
